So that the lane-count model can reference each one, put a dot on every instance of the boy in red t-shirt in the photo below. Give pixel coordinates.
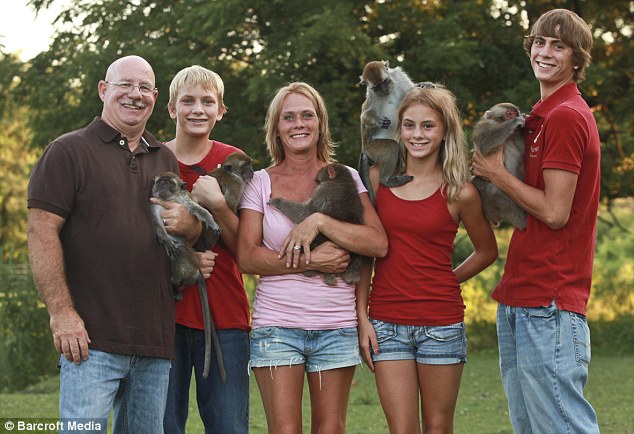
(196, 104)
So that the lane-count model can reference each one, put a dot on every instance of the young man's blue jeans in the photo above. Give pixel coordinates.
(134, 387)
(223, 407)
(544, 357)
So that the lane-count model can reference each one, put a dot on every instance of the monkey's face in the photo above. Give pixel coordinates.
(167, 185)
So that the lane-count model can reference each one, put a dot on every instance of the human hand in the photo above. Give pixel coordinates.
(69, 335)
(298, 240)
(207, 192)
(368, 342)
(206, 262)
(329, 258)
(178, 220)
(486, 166)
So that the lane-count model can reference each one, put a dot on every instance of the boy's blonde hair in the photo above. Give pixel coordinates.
(196, 75)
(325, 145)
(453, 151)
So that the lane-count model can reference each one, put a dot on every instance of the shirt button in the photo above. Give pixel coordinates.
(122, 142)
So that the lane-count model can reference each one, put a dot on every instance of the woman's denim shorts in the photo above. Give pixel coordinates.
(319, 350)
(433, 345)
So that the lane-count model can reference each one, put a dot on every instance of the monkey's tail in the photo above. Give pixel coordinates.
(365, 162)
(210, 332)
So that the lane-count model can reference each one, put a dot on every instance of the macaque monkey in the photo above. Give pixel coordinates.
(184, 266)
(380, 133)
(232, 177)
(501, 125)
(336, 196)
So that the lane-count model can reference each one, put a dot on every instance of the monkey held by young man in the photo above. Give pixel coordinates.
(336, 196)
(501, 125)
(184, 266)
(232, 177)
(380, 136)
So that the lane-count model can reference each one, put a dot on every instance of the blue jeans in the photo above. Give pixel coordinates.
(544, 357)
(223, 407)
(134, 387)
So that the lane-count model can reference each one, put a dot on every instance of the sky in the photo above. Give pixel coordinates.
(20, 30)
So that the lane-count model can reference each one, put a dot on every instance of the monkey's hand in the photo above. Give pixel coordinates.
(206, 262)
(384, 122)
(368, 342)
(69, 335)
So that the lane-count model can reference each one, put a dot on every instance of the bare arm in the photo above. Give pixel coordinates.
(368, 343)
(469, 210)
(367, 239)
(253, 258)
(47, 262)
(207, 191)
(551, 206)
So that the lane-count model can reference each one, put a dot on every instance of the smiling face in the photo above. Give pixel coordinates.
(195, 111)
(298, 124)
(128, 110)
(422, 132)
(552, 63)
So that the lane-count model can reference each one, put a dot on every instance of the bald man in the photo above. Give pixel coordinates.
(97, 263)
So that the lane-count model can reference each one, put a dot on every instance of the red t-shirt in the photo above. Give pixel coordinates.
(227, 298)
(415, 283)
(545, 264)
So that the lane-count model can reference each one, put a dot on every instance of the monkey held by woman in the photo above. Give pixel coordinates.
(185, 271)
(501, 125)
(335, 196)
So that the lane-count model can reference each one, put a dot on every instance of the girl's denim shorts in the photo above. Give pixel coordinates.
(319, 350)
(433, 345)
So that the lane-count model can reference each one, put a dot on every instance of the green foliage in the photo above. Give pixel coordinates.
(27, 354)
(16, 161)
(474, 47)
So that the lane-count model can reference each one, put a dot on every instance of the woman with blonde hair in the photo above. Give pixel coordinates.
(411, 323)
(300, 324)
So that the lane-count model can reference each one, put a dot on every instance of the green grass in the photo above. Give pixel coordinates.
(481, 404)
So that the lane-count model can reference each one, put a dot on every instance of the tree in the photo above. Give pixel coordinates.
(473, 47)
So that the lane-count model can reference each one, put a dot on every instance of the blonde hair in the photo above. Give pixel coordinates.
(572, 30)
(325, 145)
(196, 75)
(453, 151)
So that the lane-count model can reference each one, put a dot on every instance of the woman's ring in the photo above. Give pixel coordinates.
(164, 222)
(297, 247)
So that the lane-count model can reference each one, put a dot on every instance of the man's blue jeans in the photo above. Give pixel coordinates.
(134, 387)
(544, 357)
(223, 407)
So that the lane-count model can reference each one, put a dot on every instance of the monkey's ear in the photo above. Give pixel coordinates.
(362, 81)
(183, 185)
(386, 63)
(228, 168)
(488, 114)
